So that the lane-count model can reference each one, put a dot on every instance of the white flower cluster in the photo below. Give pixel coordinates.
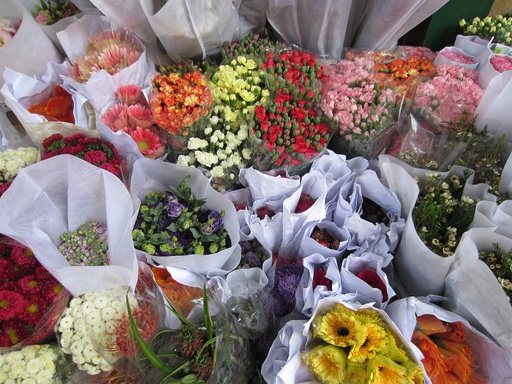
(32, 364)
(222, 149)
(87, 328)
(11, 160)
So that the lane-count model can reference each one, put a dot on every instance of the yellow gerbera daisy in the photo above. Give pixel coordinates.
(368, 315)
(372, 339)
(394, 348)
(337, 327)
(382, 370)
(327, 363)
(356, 372)
(414, 372)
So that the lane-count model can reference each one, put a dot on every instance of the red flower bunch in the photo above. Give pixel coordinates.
(371, 278)
(27, 292)
(305, 202)
(59, 107)
(320, 279)
(180, 97)
(324, 238)
(447, 356)
(265, 211)
(4, 187)
(93, 150)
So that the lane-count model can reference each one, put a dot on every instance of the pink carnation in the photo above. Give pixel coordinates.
(501, 63)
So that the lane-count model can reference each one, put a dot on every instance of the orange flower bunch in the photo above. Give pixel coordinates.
(448, 358)
(59, 107)
(182, 297)
(179, 99)
(404, 74)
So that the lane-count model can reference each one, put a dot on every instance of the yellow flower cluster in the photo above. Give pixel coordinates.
(358, 346)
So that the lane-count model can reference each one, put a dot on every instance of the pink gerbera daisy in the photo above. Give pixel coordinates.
(149, 142)
(116, 118)
(139, 116)
(129, 94)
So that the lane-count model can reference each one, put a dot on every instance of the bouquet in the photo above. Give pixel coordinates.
(93, 150)
(131, 115)
(31, 298)
(33, 363)
(48, 12)
(498, 28)
(180, 97)
(176, 223)
(445, 98)
(11, 160)
(222, 149)
(456, 56)
(352, 97)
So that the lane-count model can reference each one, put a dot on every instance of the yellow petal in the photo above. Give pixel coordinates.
(327, 363)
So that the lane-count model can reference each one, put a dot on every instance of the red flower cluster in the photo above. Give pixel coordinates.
(320, 279)
(27, 292)
(93, 150)
(59, 107)
(305, 202)
(4, 187)
(371, 278)
(292, 130)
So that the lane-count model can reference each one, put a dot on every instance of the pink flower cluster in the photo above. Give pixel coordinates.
(413, 51)
(132, 115)
(452, 91)
(454, 56)
(27, 290)
(352, 97)
(501, 63)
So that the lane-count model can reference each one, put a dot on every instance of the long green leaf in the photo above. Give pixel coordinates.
(151, 356)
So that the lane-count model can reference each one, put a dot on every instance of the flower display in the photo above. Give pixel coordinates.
(253, 254)
(48, 12)
(33, 364)
(501, 63)
(252, 44)
(87, 328)
(58, 107)
(93, 150)
(223, 148)
(352, 97)
(500, 263)
(447, 356)
(131, 114)
(356, 346)
(452, 91)
(371, 278)
(179, 98)
(85, 246)
(442, 213)
(110, 50)
(7, 31)
(174, 223)
(27, 294)
(458, 57)
(497, 27)
(11, 160)
(325, 238)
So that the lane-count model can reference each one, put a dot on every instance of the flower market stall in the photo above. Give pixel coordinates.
(253, 192)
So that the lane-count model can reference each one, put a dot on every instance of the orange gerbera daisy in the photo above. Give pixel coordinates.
(58, 107)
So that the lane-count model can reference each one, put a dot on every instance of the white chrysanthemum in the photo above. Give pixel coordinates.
(217, 171)
(33, 366)
(206, 159)
(108, 314)
(66, 322)
(195, 143)
(208, 130)
(184, 160)
(246, 153)
(14, 357)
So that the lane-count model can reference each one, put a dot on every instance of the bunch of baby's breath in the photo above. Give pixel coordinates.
(500, 263)
(442, 213)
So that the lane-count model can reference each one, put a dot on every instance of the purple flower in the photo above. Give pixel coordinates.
(287, 279)
(214, 223)
(250, 260)
(174, 209)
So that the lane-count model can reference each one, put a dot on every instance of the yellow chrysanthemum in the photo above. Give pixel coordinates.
(327, 363)
(372, 339)
(414, 372)
(368, 315)
(382, 370)
(394, 349)
(337, 327)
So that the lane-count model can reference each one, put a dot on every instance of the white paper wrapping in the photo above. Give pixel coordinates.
(57, 195)
(266, 185)
(421, 271)
(10, 137)
(494, 217)
(21, 91)
(492, 361)
(443, 60)
(386, 21)
(333, 29)
(283, 363)
(150, 175)
(472, 301)
(75, 40)
(28, 42)
(352, 266)
(187, 29)
(472, 45)
(309, 246)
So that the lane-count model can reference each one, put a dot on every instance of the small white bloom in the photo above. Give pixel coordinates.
(218, 171)
(246, 153)
(195, 143)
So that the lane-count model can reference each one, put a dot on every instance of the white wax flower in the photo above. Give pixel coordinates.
(11, 160)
